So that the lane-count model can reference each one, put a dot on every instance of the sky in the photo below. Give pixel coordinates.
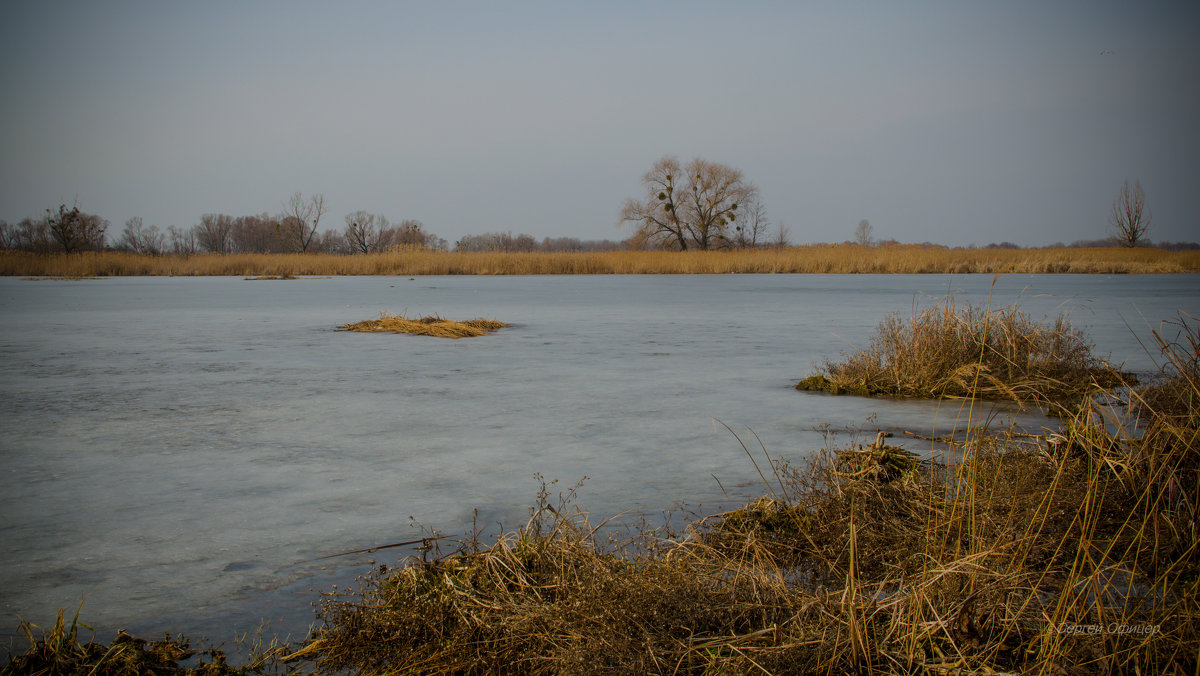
(958, 123)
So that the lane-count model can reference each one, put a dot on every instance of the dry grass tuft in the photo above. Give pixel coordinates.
(550, 597)
(57, 650)
(426, 326)
(948, 351)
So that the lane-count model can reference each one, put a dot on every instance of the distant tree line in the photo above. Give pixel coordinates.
(1108, 242)
(295, 229)
(703, 205)
(65, 229)
(508, 242)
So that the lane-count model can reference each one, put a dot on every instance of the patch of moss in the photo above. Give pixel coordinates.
(816, 383)
(820, 383)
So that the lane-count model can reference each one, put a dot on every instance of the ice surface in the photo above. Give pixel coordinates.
(175, 451)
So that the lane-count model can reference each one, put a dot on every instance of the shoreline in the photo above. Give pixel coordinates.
(786, 551)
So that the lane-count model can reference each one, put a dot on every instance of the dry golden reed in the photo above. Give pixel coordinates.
(821, 258)
(951, 351)
(426, 326)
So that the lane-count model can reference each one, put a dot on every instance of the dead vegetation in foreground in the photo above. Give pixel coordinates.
(426, 326)
(57, 651)
(1064, 554)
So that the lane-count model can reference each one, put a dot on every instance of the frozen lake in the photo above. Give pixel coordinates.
(175, 451)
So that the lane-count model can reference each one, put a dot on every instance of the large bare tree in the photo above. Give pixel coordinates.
(411, 233)
(300, 220)
(32, 235)
(75, 230)
(712, 200)
(183, 240)
(367, 232)
(141, 239)
(695, 206)
(215, 233)
(657, 215)
(1130, 218)
(257, 234)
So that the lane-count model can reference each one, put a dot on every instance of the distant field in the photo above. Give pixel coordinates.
(840, 258)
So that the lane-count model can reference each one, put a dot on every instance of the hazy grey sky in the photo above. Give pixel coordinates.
(954, 122)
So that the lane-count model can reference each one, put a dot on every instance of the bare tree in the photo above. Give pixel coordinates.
(410, 234)
(711, 204)
(32, 235)
(183, 240)
(256, 234)
(300, 220)
(63, 227)
(689, 206)
(330, 241)
(435, 243)
(366, 233)
(140, 239)
(864, 233)
(131, 235)
(658, 215)
(215, 233)
(153, 240)
(75, 230)
(1130, 218)
(781, 236)
(753, 226)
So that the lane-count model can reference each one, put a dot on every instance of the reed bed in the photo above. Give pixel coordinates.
(426, 326)
(821, 258)
(950, 351)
